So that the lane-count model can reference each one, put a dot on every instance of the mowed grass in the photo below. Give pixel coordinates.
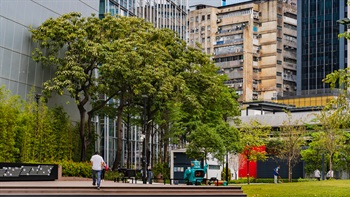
(326, 188)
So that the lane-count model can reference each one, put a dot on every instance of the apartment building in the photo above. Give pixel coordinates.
(254, 43)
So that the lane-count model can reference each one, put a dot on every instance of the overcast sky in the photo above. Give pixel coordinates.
(213, 2)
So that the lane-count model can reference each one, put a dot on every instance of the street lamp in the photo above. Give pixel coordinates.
(344, 21)
(227, 168)
(322, 162)
(144, 159)
(142, 140)
(323, 171)
(37, 98)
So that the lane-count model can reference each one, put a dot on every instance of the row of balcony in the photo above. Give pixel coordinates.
(238, 40)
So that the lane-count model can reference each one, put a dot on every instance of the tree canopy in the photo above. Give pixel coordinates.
(139, 67)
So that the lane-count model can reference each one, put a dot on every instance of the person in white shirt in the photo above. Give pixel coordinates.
(98, 164)
(329, 174)
(317, 174)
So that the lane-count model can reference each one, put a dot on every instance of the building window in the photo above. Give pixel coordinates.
(279, 16)
(191, 19)
(208, 17)
(279, 62)
(279, 74)
(208, 27)
(214, 167)
(279, 85)
(203, 40)
(203, 17)
(279, 51)
(237, 13)
(196, 18)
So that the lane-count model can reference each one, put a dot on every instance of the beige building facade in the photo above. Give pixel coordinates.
(253, 43)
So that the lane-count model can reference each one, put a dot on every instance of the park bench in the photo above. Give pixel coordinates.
(128, 174)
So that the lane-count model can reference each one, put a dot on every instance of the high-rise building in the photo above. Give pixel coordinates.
(170, 14)
(320, 51)
(253, 43)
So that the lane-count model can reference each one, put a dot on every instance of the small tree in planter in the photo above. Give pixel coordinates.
(161, 170)
(223, 174)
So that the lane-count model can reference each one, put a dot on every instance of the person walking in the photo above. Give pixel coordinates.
(317, 174)
(276, 174)
(329, 174)
(97, 164)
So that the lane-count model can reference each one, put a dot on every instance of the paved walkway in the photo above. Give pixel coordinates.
(72, 183)
(84, 187)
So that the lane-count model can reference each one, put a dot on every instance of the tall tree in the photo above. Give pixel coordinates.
(292, 135)
(335, 116)
(140, 57)
(253, 138)
(331, 134)
(86, 71)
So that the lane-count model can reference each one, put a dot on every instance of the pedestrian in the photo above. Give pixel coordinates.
(329, 174)
(317, 174)
(104, 169)
(97, 164)
(150, 175)
(276, 174)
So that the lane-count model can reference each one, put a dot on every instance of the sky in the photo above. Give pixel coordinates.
(213, 2)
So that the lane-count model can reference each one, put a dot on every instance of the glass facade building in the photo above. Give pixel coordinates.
(18, 72)
(320, 51)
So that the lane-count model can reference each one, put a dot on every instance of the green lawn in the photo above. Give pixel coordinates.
(329, 188)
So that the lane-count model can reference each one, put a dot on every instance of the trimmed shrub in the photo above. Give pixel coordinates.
(76, 169)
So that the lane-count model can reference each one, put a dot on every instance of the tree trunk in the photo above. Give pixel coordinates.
(289, 170)
(118, 155)
(89, 130)
(82, 112)
(128, 161)
(330, 165)
(248, 171)
(165, 148)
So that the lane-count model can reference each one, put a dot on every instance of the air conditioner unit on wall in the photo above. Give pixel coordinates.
(218, 20)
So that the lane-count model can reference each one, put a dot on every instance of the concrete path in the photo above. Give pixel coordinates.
(112, 189)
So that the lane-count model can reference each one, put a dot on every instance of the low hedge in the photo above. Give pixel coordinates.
(76, 169)
(258, 180)
(83, 169)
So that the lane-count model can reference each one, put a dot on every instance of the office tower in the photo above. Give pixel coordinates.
(253, 43)
(320, 51)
